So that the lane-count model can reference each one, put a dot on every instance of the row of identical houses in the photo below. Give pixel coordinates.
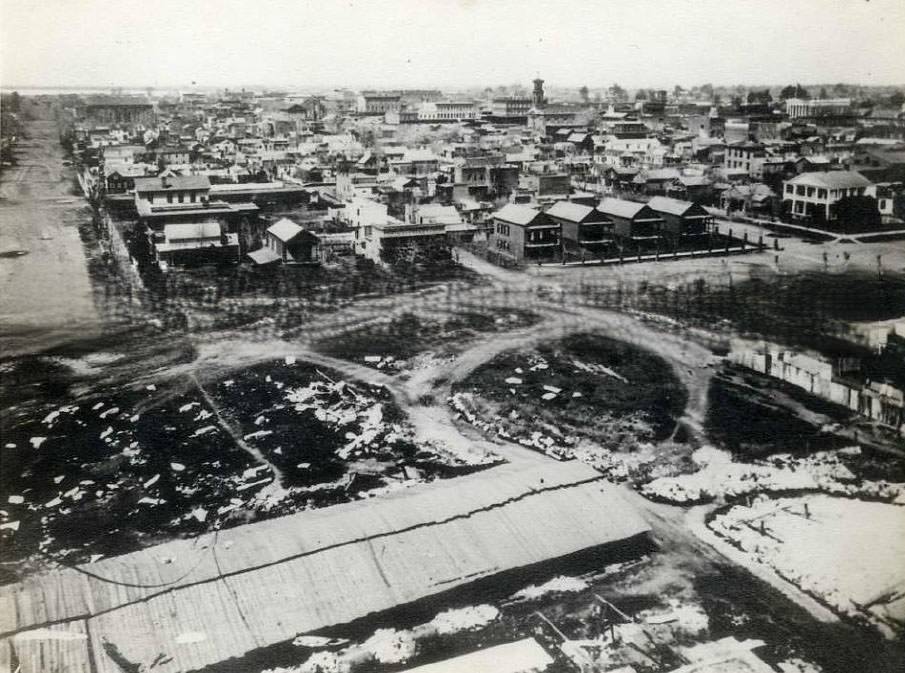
(527, 234)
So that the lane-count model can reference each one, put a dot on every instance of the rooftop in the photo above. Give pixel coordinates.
(517, 214)
(284, 229)
(831, 179)
(620, 208)
(173, 182)
(265, 582)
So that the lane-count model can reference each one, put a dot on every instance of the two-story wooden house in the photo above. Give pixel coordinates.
(525, 234)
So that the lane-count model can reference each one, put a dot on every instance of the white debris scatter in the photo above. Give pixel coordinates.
(58, 479)
(106, 433)
(320, 662)
(108, 412)
(553, 389)
(290, 359)
(97, 406)
(688, 617)
(188, 407)
(372, 358)
(313, 641)
(463, 619)
(561, 584)
(796, 665)
(150, 387)
(389, 646)
(51, 417)
(513, 381)
(177, 467)
(37, 441)
(259, 433)
(203, 431)
(15, 500)
(10, 445)
(353, 411)
(228, 383)
(548, 396)
(721, 477)
(53, 503)
(10, 525)
(200, 514)
(151, 501)
(134, 418)
(861, 545)
(48, 634)
(153, 480)
(576, 394)
(190, 637)
(595, 368)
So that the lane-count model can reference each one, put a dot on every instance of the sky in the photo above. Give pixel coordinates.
(449, 43)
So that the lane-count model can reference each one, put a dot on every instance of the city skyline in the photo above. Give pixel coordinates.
(385, 44)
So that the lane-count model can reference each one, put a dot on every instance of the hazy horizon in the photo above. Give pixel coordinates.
(171, 44)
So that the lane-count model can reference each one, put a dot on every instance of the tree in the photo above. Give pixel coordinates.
(760, 97)
(897, 98)
(707, 90)
(823, 93)
(858, 213)
(641, 94)
(584, 93)
(787, 92)
(617, 92)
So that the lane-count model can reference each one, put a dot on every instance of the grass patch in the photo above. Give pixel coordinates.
(584, 386)
(407, 335)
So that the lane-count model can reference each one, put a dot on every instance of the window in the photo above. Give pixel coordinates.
(799, 190)
(810, 191)
(181, 197)
(789, 189)
(170, 198)
(821, 193)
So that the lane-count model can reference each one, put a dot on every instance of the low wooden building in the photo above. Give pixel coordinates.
(288, 243)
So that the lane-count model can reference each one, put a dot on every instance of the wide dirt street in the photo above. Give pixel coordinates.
(46, 293)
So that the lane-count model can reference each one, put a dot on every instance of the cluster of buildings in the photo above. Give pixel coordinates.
(404, 175)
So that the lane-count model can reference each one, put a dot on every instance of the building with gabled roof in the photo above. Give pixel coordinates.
(815, 195)
(681, 219)
(583, 229)
(633, 222)
(522, 233)
(287, 242)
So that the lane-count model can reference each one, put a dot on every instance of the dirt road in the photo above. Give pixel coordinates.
(46, 295)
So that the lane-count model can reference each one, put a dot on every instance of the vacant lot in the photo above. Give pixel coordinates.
(88, 473)
(585, 395)
(392, 343)
(829, 547)
(753, 417)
